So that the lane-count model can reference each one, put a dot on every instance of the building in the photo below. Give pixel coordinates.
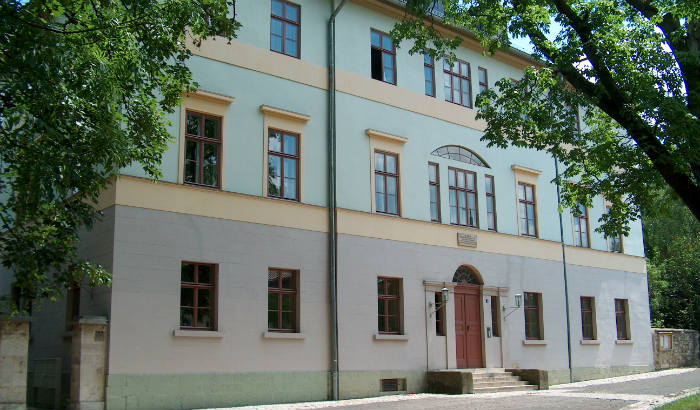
(222, 271)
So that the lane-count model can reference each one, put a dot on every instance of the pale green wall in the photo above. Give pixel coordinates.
(243, 135)
(255, 16)
(425, 134)
(244, 127)
(187, 391)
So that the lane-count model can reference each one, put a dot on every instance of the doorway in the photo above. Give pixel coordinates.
(468, 326)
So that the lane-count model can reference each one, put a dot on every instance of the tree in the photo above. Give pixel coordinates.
(631, 68)
(84, 87)
(672, 245)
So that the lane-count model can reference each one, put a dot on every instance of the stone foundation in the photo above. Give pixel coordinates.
(88, 362)
(14, 352)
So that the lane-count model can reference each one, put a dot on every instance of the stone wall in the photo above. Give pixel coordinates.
(681, 352)
(88, 364)
(14, 344)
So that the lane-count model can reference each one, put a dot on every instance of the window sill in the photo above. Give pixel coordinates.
(387, 214)
(206, 334)
(590, 342)
(279, 198)
(211, 187)
(283, 336)
(532, 342)
(624, 342)
(390, 337)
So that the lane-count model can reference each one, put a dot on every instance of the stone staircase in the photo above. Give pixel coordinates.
(497, 380)
(462, 381)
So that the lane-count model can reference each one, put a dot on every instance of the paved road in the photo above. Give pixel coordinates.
(635, 392)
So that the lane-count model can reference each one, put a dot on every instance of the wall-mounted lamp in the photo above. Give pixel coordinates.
(518, 303)
(445, 298)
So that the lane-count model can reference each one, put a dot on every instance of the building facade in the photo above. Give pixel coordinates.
(221, 285)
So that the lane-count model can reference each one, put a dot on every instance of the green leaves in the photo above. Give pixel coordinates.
(672, 244)
(84, 87)
(630, 67)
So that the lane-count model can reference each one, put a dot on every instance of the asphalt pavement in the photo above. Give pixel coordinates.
(635, 392)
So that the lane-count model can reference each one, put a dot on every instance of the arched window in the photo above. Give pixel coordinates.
(467, 275)
(460, 154)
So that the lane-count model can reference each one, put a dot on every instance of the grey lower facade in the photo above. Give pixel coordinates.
(152, 364)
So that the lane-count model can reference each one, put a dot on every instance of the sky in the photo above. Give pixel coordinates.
(524, 44)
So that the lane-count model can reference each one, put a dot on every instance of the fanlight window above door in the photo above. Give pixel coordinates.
(461, 154)
(465, 274)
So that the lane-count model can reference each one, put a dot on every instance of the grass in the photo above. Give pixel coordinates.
(687, 403)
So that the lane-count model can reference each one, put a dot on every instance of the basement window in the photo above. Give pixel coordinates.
(389, 385)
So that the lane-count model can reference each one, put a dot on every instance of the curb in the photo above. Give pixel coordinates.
(652, 404)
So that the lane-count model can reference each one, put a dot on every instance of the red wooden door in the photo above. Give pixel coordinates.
(468, 326)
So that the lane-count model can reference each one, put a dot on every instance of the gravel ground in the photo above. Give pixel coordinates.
(528, 402)
(656, 386)
(635, 392)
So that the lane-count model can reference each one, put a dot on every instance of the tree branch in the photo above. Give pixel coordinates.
(613, 101)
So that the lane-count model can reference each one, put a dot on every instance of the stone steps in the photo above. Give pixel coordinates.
(461, 381)
(492, 382)
(526, 387)
(499, 383)
(488, 377)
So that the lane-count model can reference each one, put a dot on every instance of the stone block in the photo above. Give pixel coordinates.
(448, 382)
(537, 377)
(89, 355)
(14, 351)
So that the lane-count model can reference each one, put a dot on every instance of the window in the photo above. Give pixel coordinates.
(588, 328)
(490, 203)
(283, 165)
(526, 202)
(460, 154)
(429, 69)
(666, 341)
(386, 182)
(495, 316)
(202, 149)
(581, 226)
(614, 242)
(533, 314)
(458, 85)
(439, 315)
(622, 319)
(483, 80)
(197, 293)
(285, 28)
(434, 186)
(462, 197)
(389, 305)
(282, 300)
(383, 57)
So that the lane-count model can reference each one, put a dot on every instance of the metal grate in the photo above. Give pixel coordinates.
(390, 384)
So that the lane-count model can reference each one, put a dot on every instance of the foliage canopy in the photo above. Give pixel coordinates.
(631, 68)
(672, 245)
(84, 86)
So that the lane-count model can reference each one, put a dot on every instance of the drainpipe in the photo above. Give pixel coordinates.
(332, 217)
(566, 282)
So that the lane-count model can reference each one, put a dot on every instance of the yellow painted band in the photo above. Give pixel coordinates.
(191, 200)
